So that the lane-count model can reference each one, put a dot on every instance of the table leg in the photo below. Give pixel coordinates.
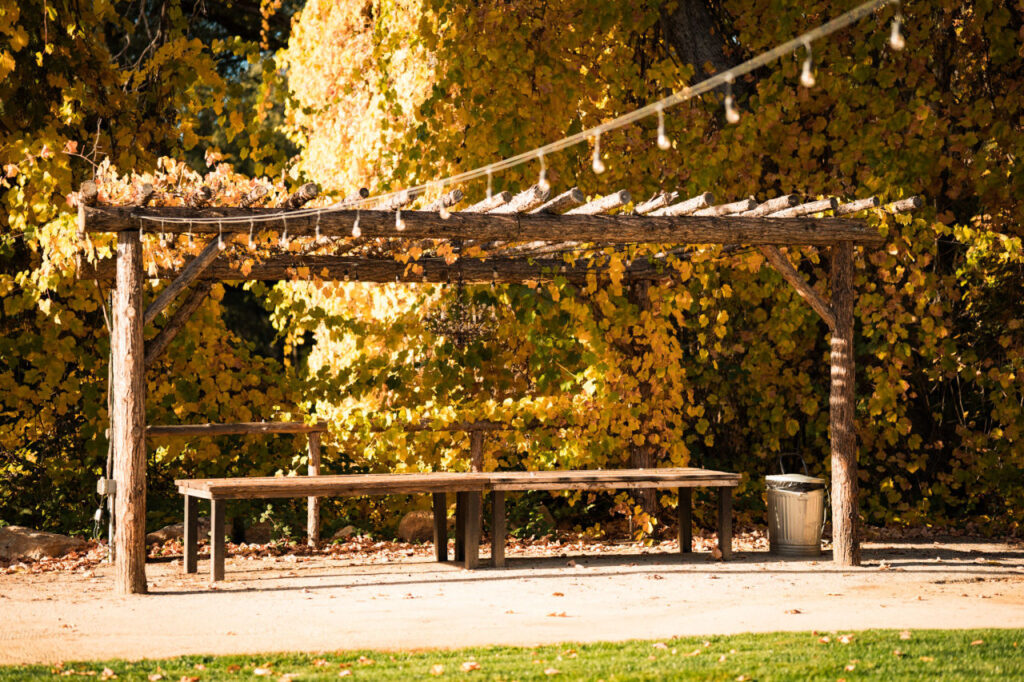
(217, 548)
(460, 526)
(441, 526)
(191, 534)
(725, 521)
(498, 529)
(474, 519)
(685, 509)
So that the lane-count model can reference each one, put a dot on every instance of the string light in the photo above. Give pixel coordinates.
(896, 38)
(399, 223)
(356, 232)
(596, 163)
(220, 236)
(663, 141)
(684, 94)
(284, 233)
(807, 75)
(731, 114)
(252, 227)
(317, 230)
(542, 181)
(490, 183)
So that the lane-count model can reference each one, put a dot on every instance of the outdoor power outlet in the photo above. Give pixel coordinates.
(106, 486)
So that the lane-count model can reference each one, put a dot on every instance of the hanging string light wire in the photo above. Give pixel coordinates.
(687, 93)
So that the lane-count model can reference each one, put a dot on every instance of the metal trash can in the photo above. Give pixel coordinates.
(796, 514)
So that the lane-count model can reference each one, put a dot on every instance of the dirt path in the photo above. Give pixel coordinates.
(317, 604)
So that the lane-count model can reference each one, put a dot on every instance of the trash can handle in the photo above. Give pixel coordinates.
(783, 455)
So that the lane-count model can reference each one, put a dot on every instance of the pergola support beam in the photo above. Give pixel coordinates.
(782, 264)
(189, 274)
(842, 433)
(127, 418)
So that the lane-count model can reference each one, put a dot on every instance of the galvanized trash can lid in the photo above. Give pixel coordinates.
(794, 483)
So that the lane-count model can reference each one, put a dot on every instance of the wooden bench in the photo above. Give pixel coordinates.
(468, 488)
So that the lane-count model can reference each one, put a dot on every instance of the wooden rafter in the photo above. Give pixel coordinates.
(189, 274)
(156, 346)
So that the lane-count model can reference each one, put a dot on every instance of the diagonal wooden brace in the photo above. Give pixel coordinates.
(191, 272)
(785, 268)
(157, 345)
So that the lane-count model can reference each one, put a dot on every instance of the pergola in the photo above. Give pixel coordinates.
(520, 237)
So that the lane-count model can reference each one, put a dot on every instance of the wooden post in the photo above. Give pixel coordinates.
(474, 518)
(498, 528)
(441, 526)
(127, 417)
(191, 539)
(217, 548)
(460, 525)
(845, 532)
(313, 504)
(725, 521)
(685, 520)
(476, 451)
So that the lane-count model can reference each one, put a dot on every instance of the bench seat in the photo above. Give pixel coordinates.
(468, 488)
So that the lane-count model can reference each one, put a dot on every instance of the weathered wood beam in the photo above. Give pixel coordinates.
(446, 200)
(233, 429)
(782, 264)
(200, 198)
(856, 206)
(563, 202)
(599, 229)
(128, 418)
(608, 202)
(400, 200)
(524, 201)
(687, 207)
(773, 205)
(727, 209)
(156, 346)
(904, 205)
(302, 196)
(810, 207)
(842, 431)
(489, 204)
(189, 274)
(253, 196)
(659, 200)
(361, 269)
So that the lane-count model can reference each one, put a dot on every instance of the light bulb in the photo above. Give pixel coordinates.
(490, 184)
(444, 212)
(542, 181)
(731, 114)
(596, 163)
(356, 232)
(896, 38)
(807, 76)
(663, 141)
(399, 223)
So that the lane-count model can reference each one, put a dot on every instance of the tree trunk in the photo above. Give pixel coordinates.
(695, 31)
(845, 520)
(127, 417)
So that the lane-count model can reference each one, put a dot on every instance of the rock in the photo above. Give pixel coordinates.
(176, 531)
(416, 526)
(345, 533)
(18, 542)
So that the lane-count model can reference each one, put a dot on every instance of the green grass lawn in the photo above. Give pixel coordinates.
(922, 654)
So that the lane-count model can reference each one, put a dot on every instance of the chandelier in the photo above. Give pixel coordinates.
(461, 321)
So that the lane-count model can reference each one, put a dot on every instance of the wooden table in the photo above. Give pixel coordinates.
(468, 488)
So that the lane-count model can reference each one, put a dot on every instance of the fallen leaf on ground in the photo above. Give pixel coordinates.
(692, 653)
(551, 671)
(557, 594)
(470, 665)
(793, 611)
(262, 672)
(849, 667)
(905, 634)
(363, 660)
(108, 674)
(721, 659)
(845, 639)
(824, 640)
(321, 663)
(234, 668)
(563, 614)
(344, 673)
(155, 677)
(898, 654)
(927, 659)
(977, 642)
(437, 669)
